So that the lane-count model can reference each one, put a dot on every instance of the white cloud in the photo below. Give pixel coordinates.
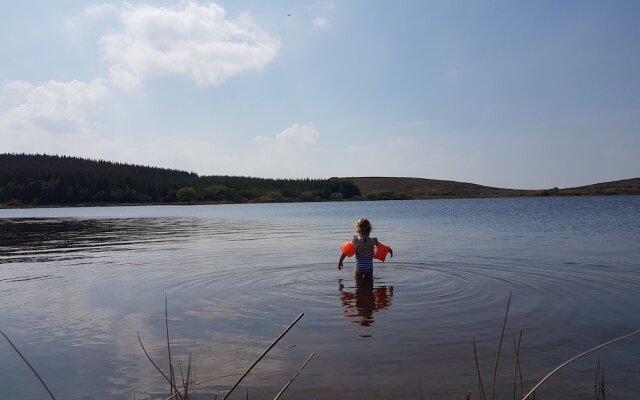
(295, 137)
(321, 22)
(33, 117)
(64, 118)
(290, 153)
(329, 5)
(91, 14)
(68, 118)
(77, 27)
(189, 39)
(100, 10)
(13, 94)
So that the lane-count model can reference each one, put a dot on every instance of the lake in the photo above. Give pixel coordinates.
(77, 285)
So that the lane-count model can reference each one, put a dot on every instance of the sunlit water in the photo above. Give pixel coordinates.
(78, 284)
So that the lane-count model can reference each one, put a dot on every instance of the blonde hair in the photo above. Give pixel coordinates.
(363, 227)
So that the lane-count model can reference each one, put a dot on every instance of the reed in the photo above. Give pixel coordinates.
(525, 393)
(294, 377)
(600, 387)
(29, 365)
(262, 355)
(564, 364)
(189, 383)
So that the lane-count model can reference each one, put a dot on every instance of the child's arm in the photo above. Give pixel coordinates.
(342, 257)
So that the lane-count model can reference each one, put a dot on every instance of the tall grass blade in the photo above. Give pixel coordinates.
(186, 383)
(595, 383)
(196, 384)
(159, 370)
(166, 323)
(495, 370)
(28, 364)
(262, 355)
(516, 347)
(600, 385)
(294, 377)
(483, 396)
(575, 358)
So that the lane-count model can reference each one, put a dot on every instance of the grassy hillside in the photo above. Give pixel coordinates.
(418, 188)
(625, 186)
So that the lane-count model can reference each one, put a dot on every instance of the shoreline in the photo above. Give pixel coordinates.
(205, 203)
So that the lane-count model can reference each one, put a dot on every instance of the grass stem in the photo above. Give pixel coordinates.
(28, 364)
(575, 358)
(495, 370)
(171, 383)
(294, 377)
(516, 347)
(262, 355)
(483, 396)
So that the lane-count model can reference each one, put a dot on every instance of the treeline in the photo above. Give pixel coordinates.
(28, 179)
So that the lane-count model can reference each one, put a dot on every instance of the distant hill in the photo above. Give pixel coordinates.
(418, 188)
(45, 180)
(625, 186)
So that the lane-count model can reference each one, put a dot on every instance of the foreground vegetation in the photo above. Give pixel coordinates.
(183, 384)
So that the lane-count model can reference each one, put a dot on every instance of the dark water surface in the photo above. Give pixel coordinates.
(77, 284)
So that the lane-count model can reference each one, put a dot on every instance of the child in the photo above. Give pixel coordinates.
(365, 248)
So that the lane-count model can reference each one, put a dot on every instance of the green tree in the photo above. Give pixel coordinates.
(271, 197)
(307, 195)
(215, 192)
(186, 194)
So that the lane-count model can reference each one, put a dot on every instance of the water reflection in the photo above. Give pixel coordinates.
(74, 291)
(359, 305)
(49, 240)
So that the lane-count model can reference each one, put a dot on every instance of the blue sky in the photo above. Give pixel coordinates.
(515, 94)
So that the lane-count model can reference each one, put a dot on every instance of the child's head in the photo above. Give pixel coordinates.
(363, 227)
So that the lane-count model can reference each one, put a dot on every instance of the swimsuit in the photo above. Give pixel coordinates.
(364, 254)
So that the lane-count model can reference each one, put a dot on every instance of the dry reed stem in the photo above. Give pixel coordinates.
(517, 366)
(481, 386)
(171, 383)
(186, 384)
(495, 370)
(28, 364)
(575, 358)
(294, 377)
(195, 385)
(262, 355)
(599, 387)
(166, 322)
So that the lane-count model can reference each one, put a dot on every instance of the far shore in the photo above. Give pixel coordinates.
(534, 194)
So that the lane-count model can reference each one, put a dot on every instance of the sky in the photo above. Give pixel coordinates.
(515, 94)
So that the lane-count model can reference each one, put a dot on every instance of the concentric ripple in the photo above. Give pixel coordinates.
(76, 289)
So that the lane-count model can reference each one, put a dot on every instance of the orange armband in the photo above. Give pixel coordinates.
(348, 249)
(381, 252)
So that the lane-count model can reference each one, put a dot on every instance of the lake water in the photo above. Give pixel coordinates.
(78, 284)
